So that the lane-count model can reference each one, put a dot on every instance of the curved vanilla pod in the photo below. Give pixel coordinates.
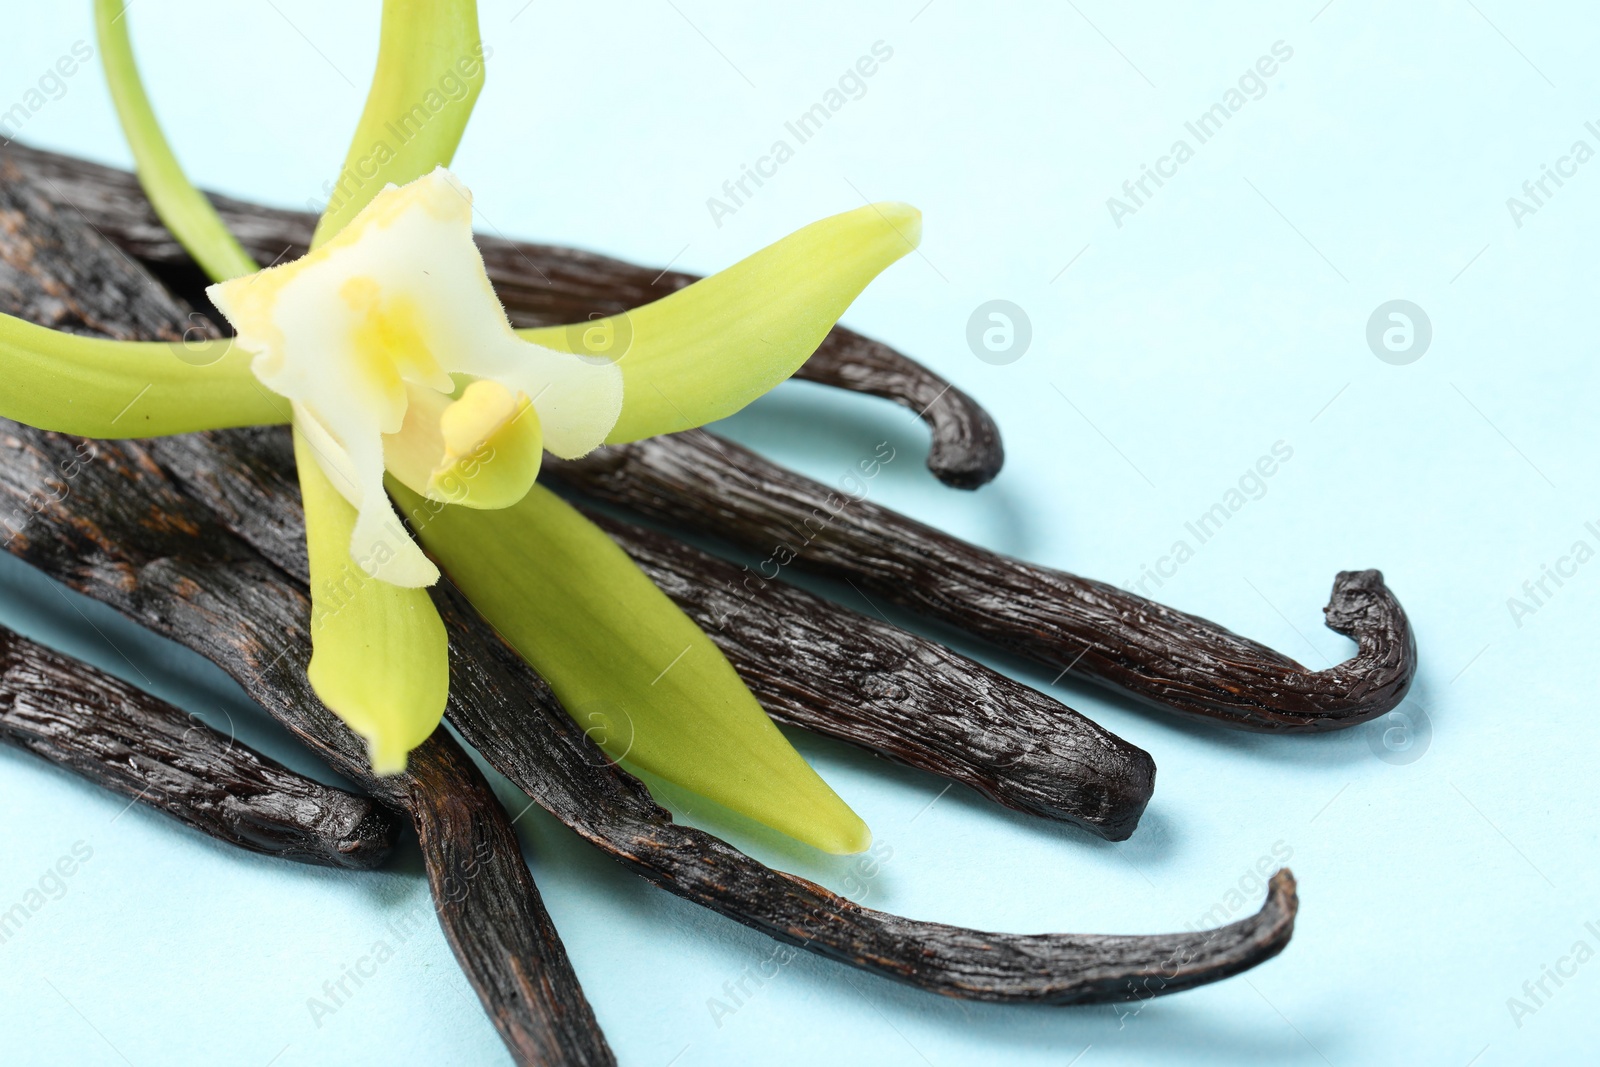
(832, 671)
(964, 451)
(150, 752)
(188, 578)
(1174, 659)
(502, 708)
(510, 716)
(810, 662)
(505, 711)
(540, 285)
(1162, 656)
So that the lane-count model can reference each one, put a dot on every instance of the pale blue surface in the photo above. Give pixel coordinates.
(1189, 341)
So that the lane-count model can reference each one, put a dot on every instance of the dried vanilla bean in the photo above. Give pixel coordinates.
(189, 578)
(810, 663)
(148, 751)
(116, 528)
(510, 716)
(1162, 656)
(540, 285)
(830, 670)
(135, 540)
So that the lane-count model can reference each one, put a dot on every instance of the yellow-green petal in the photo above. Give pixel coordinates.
(379, 656)
(634, 672)
(182, 208)
(711, 348)
(430, 71)
(98, 388)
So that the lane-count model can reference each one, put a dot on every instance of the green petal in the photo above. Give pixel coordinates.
(635, 672)
(182, 207)
(429, 74)
(711, 348)
(379, 656)
(99, 388)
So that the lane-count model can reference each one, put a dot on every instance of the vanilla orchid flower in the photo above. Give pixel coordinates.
(396, 354)
(387, 350)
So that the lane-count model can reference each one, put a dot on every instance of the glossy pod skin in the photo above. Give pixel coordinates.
(835, 672)
(505, 711)
(1011, 743)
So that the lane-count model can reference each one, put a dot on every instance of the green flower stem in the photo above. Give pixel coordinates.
(182, 207)
(711, 348)
(641, 679)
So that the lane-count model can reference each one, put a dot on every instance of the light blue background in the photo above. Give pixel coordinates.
(1227, 314)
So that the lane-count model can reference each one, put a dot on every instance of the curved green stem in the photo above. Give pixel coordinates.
(182, 208)
(429, 74)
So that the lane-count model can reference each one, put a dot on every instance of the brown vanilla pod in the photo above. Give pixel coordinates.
(505, 711)
(510, 716)
(186, 576)
(810, 662)
(104, 519)
(1159, 655)
(835, 672)
(146, 750)
(540, 285)
(1013, 744)
(1162, 656)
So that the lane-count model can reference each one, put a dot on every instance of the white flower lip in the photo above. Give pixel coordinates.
(400, 298)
